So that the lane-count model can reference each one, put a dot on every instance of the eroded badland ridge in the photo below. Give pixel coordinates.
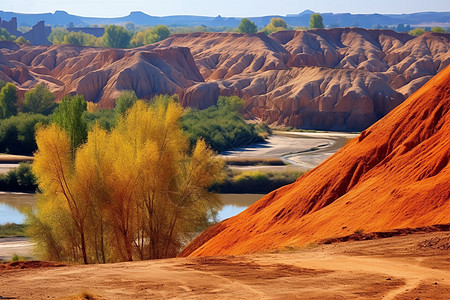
(342, 78)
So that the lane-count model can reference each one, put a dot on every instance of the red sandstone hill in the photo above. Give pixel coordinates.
(339, 79)
(396, 174)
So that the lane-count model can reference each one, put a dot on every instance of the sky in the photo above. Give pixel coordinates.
(225, 8)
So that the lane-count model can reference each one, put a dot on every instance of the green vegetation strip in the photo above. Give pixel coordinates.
(239, 161)
(12, 230)
(254, 182)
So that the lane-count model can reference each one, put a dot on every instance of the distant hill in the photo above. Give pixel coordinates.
(63, 18)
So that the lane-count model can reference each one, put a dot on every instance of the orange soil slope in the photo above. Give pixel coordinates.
(396, 174)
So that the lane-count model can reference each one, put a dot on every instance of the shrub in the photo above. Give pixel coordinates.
(254, 181)
(19, 179)
(222, 126)
(417, 31)
(17, 133)
(247, 26)
(39, 101)
(12, 230)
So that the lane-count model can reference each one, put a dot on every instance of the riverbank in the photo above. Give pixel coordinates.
(9, 161)
(11, 246)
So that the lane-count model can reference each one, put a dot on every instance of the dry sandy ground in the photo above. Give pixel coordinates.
(15, 245)
(404, 267)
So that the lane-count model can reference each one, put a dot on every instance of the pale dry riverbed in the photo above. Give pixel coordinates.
(301, 151)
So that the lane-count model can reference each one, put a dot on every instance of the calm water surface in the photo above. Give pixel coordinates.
(13, 205)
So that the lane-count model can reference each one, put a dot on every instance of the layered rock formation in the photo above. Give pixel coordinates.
(396, 174)
(363, 74)
(339, 79)
(99, 74)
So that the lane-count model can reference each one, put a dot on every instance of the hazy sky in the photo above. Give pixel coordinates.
(228, 8)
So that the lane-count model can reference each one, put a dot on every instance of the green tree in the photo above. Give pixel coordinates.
(80, 38)
(74, 38)
(125, 101)
(247, 26)
(438, 30)
(17, 133)
(116, 37)
(160, 32)
(70, 116)
(5, 35)
(130, 26)
(21, 40)
(39, 100)
(57, 35)
(316, 21)
(222, 126)
(276, 24)
(8, 101)
(150, 36)
(417, 31)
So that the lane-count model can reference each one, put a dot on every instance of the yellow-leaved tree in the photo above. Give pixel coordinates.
(136, 192)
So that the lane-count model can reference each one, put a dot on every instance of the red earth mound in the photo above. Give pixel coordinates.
(396, 174)
(31, 264)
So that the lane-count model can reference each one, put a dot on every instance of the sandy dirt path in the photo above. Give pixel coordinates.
(390, 268)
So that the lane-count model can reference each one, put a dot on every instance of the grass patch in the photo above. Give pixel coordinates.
(254, 182)
(12, 230)
(16, 257)
(238, 161)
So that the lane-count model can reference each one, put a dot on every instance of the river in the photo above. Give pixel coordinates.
(13, 205)
(301, 150)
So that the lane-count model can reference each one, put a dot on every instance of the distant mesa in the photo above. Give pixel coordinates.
(62, 18)
(37, 35)
(395, 175)
(10, 26)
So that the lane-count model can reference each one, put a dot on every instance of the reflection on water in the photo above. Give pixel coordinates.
(13, 204)
(234, 204)
(9, 214)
